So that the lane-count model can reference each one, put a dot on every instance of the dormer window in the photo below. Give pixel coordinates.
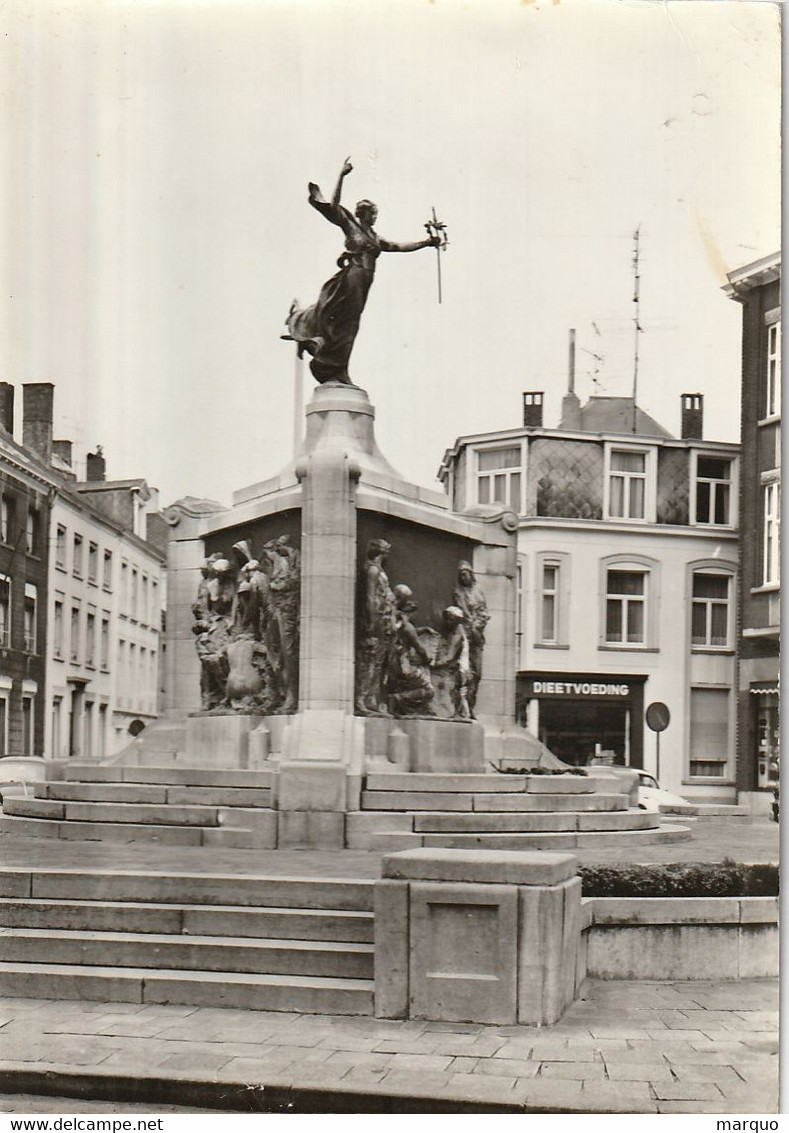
(630, 483)
(713, 490)
(499, 479)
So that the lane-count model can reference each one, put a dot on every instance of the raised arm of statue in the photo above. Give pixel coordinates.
(414, 246)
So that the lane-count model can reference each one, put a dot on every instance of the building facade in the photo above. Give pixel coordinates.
(81, 594)
(26, 491)
(627, 552)
(757, 287)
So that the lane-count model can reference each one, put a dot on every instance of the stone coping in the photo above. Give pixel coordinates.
(497, 867)
(679, 910)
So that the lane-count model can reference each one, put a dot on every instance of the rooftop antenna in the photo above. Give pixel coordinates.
(637, 313)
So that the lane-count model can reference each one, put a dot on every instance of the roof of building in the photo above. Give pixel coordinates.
(755, 274)
(616, 415)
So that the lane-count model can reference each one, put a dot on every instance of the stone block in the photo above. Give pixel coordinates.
(219, 741)
(463, 951)
(665, 910)
(259, 745)
(15, 884)
(758, 947)
(759, 910)
(33, 808)
(506, 867)
(415, 800)
(312, 786)
(663, 952)
(621, 820)
(445, 784)
(218, 796)
(445, 745)
(391, 949)
(137, 813)
(559, 784)
(310, 830)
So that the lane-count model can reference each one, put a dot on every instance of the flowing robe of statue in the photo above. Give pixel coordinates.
(327, 330)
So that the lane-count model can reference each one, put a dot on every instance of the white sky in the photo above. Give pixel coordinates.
(155, 155)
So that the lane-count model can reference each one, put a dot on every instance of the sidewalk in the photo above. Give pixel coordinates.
(645, 1047)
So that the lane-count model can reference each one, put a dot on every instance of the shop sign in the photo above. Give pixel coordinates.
(579, 689)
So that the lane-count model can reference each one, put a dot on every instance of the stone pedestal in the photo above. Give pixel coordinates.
(476, 936)
(440, 746)
(219, 741)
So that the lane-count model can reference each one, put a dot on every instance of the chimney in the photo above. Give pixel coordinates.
(571, 406)
(37, 398)
(96, 465)
(532, 408)
(692, 416)
(62, 449)
(7, 407)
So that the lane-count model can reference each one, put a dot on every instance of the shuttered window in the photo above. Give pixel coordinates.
(709, 732)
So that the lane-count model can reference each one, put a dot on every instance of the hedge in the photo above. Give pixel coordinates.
(542, 770)
(681, 879)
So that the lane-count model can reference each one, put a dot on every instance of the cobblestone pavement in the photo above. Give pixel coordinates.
(712, 841)
(646, 1047)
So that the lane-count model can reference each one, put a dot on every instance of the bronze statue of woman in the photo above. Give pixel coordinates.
(328, 329)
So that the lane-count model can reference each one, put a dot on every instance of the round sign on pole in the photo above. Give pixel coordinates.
(658, 716)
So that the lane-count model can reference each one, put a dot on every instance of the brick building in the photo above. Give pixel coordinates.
(757, 287)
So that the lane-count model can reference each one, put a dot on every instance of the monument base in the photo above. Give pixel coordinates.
(413, 744)
(219, 741)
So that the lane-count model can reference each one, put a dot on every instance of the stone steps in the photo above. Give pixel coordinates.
(196, 953)
(134, 887)
(489, 784)
(189, 920)
(536, 841)
(148, 793)
(491, 803)
(308, 994)
(285, 944)
(175, 776)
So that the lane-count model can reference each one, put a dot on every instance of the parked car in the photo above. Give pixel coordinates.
(651, 796)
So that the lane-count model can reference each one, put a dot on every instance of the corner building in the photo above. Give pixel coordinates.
(757, 287)
(627, 581)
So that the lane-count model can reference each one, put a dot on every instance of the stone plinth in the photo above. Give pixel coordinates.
(440, 746)
(476, 936)
(219, 741)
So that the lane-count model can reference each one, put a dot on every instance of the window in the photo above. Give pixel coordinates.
(133, 684)
(134, 592)
(124, 589)
(773, 399)
(107, 579)
(93, 563)
(60, 547)
(5, 611)
(709, 732)
(32, 531)
(77, 558)
(75, 617)
(104, 655)
(710, 613)
(28, 716)
(549, 599)
(57, 629)
(122, 665)
(90, 639)
(144, 599)
(31, 604)
(154, 620)
(713, 490)
(499, 476)
(627, 481)
(6, 518)
(625, 613)
(772, 533)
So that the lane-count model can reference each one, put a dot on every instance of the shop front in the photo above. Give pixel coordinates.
(580, 716)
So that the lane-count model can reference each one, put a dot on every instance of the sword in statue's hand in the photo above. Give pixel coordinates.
(437, 230)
